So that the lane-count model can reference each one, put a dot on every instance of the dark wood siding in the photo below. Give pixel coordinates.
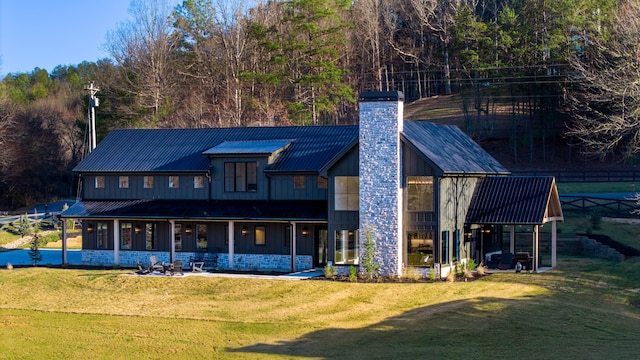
(341, 220)
(282, 188)
(136, 190)
(217, 180)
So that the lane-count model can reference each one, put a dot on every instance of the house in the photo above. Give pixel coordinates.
(295, 198)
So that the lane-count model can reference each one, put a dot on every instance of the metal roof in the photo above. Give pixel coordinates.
(514, 200)
(252, 147)
(450, 149)
(181, 150)
(275, 210)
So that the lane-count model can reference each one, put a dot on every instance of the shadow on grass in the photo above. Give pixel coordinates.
(576, 318)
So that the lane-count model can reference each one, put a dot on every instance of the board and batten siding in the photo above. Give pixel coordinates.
(136, 190)
(282, 188)
(455, 197)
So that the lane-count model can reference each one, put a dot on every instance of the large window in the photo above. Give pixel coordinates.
(102, 235)
(202, 236)
(347, 195)
(177, 232)
(126, 236)
(419, 193)
(419, 248)
(240, 176)
(99, 182)
(150, 236)
(347, 247)
(123, 182)
(261, 235)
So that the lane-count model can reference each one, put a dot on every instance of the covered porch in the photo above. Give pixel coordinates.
(243, 235)
(508, 207)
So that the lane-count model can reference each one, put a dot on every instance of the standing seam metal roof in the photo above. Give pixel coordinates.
(510, 200)
(181, 150)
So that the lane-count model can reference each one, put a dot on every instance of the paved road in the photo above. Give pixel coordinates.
(49, 257)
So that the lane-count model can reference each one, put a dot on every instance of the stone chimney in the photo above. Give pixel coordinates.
(381, 176)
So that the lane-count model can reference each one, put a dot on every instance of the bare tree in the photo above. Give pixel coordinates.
(605, 99)
(144, 49)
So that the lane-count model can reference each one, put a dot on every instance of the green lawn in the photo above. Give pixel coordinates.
(584, 309)
(598, 187)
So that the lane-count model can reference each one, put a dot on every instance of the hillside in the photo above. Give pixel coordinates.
(547, 149)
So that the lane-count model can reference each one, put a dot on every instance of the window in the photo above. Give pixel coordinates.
(202, 236)
(323, 182)
(148, 182)
(126, 236)
(240, 176)
(123, 182)
(174, 182)
(99, 182)
(347, 247)
(298, 182)
(444, 248)
(102, 235)
(419, 193)
(150, 236)
(260, 232)
(198, 181)
(419, 248)
(347, 195)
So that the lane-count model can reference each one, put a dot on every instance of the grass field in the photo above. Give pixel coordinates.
(584, 309)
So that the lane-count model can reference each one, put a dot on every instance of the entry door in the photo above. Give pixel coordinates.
(321, 247)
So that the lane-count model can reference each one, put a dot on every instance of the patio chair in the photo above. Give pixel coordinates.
(507, 261)
(176, 268)
(155, 264)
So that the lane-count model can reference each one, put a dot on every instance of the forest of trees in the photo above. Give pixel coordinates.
(555, 69)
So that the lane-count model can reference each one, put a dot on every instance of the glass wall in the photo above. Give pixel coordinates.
(347, 247)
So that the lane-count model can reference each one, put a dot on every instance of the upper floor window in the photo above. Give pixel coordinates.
(419, 193)
(123, 182)
(240, 177)
(347, 193)
(198, 181)
(99, 182)
(148, 182)
(174, 182)
(298, 182)
(323, 182)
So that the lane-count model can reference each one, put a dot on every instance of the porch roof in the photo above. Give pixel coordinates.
(273, 210)
(515, 200)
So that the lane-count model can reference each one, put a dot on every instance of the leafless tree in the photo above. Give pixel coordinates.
(604, 101)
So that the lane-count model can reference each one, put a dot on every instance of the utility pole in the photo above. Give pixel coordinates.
(94, 102)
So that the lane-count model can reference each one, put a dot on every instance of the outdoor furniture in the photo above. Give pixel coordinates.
(155, 264)
(507, 261)
(525, 260)
(176, 268)
(199, 262)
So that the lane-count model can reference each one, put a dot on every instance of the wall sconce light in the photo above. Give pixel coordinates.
(244, 231)
(90, 227)
(305, 231)
(486, 230)
(137, 229)
(187, 230)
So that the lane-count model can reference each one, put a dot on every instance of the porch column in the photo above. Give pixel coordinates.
(512, 239)
(64, 241)
(294, 240)
(116, 242)
(172, 253)
(231, 241)
(536, 234)
(553, 243)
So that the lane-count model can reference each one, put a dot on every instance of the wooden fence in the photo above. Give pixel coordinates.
(586, 175)
(586, 205)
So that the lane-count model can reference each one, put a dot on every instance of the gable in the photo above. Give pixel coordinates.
(515, 200)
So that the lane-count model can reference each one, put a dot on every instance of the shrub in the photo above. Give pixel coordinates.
(329, 271)
(412, 273)
(369, 265)
(451, 276)
(432, 273)
(353, 274)
(482, 270)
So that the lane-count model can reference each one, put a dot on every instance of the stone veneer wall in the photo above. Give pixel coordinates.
(381, 177)
(243, 262)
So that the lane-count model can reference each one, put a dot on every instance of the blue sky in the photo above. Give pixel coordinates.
(48, 33)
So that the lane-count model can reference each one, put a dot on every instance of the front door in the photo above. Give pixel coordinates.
(321, 247)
